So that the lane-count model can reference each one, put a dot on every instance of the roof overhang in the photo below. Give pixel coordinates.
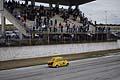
(65, 2)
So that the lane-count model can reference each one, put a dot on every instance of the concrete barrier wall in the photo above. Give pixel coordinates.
(10, 53)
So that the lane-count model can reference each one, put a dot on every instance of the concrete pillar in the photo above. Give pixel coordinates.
(20, 35)
(57, 8)
(50, 5)
(70, 6)
(83, 15)
(33, 3)
(95, 23)
(26, 2)
(3, 23)
(57, 5)
(77, 7)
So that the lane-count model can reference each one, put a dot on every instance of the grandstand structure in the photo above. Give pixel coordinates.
(60, 2)
(50, 23)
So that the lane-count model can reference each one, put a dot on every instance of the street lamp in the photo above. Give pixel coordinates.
(106, 24)
(106, 17)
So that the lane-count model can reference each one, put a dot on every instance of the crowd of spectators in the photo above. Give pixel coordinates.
(102, 29)
(63, 27)
(42, 17)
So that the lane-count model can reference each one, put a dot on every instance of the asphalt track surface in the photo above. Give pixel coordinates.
(104, 68)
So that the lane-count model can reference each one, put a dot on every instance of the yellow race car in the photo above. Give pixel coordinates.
(58, 62)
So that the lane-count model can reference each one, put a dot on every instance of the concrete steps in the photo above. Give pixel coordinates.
(16, 22)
